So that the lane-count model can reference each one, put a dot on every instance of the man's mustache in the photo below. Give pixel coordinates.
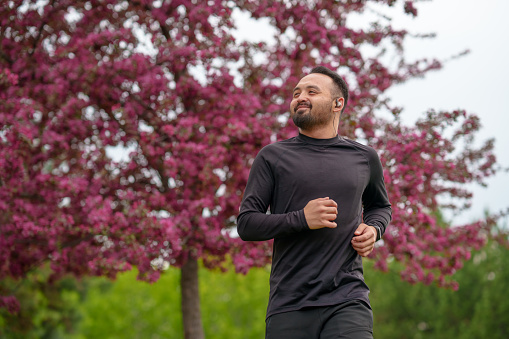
(302, 105)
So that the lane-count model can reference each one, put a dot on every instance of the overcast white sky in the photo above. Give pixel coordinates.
(476, 82)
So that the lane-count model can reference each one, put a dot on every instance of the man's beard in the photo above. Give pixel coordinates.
(308, 121)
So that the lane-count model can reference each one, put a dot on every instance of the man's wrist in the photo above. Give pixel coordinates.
(378, 232)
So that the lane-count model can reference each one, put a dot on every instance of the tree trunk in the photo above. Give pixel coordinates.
(191, 314)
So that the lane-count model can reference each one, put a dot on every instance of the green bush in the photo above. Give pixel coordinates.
(478, 309)
(48, 308)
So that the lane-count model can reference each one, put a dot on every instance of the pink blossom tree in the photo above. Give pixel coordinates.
(166, 84)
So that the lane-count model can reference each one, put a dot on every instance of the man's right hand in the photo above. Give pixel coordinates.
(321, 213)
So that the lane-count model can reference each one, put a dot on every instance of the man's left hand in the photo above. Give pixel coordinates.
(364, 240)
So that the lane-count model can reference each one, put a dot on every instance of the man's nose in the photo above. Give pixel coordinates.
(302, 98)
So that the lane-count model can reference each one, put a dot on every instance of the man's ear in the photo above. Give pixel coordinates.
(338, 104)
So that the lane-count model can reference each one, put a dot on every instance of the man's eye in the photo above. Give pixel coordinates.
(295, 95)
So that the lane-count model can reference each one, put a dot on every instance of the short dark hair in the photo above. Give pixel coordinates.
(340, 83)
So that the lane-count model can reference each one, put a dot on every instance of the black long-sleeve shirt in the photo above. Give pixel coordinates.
(313, 267)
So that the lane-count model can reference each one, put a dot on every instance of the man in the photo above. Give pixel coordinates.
(328, 206)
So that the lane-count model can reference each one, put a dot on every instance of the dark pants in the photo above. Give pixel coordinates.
(352, 320)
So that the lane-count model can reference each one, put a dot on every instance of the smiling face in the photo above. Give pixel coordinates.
(313, 103)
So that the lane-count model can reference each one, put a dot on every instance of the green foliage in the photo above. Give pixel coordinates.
(479, 309)
(48, 309)
(233, 306)
(127, 308)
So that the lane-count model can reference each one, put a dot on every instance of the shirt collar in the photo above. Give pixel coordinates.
(319, 142)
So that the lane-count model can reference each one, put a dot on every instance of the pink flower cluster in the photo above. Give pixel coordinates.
(426, 173)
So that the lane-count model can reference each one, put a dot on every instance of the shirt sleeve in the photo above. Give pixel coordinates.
(253, 222)
(377, 208)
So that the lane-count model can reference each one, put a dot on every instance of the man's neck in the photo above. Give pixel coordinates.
(323, 132)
